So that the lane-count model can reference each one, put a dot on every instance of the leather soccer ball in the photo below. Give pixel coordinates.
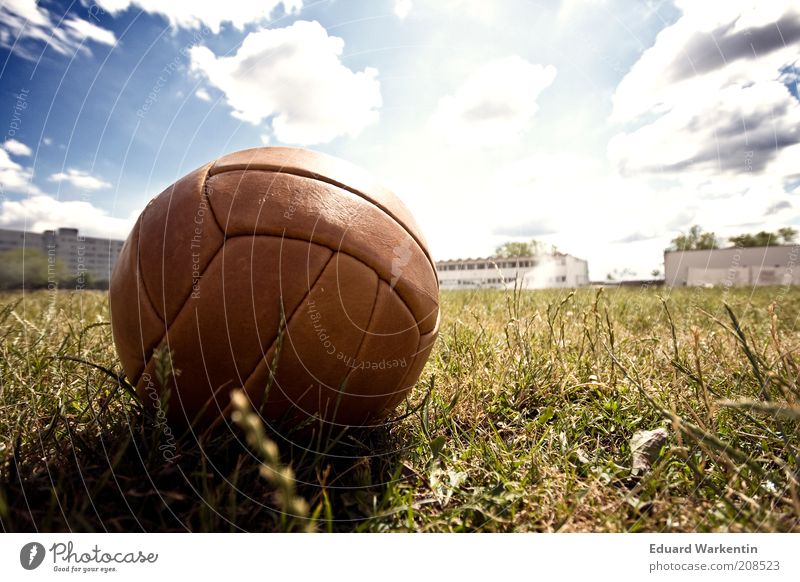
(285, 272)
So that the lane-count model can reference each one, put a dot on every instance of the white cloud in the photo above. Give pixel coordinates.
(24, 19)
(735, 129)
(47, 141)
(13, 177)
(210, 13)
(709, 97)
(480, 10)
(402, 8)
(495, 105)
(16, 148)
(570, 8)
(85, 29)
(294, 77)
(41, 212)
(202, 94)
(484, 11)
(80, 179)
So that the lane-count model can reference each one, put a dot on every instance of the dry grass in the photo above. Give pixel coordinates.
(521, 422)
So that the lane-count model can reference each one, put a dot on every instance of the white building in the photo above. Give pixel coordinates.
(77, 253)
(534, 272)
(735, 266)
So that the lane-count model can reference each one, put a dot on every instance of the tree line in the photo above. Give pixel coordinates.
(696, 239)
(533, 248)
(27, 268)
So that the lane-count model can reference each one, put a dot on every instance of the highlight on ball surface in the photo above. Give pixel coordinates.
(285, 272)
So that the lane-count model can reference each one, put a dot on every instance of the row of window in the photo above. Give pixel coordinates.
(519, 264)
(479, 266)
(493, 281)
(478, 282)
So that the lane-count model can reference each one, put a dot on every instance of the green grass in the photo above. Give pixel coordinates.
(521, 422)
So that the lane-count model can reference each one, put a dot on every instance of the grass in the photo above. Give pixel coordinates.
(522, 421)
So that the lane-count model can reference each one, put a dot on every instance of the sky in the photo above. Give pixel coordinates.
(604, 127)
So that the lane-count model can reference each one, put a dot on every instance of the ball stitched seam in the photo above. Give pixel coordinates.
(334, 251)
(288, 321)
(140, 274)
(204, 190)
(331, 182)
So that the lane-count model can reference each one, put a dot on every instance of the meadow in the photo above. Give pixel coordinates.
(521, 421)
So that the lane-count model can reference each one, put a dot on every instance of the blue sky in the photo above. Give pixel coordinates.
(602, 126)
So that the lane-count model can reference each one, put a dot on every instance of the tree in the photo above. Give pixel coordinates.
(524, 249)
(784, 235)
(695, 239)
(23, 266)
(742, 240)
(620, 274)
(514, 249)
(788, 234)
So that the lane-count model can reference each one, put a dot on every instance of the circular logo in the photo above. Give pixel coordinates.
(31, 555)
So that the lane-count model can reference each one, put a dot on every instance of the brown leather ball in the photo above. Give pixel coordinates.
(218, 260)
